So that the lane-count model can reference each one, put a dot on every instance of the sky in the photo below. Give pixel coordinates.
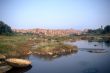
(55, 14)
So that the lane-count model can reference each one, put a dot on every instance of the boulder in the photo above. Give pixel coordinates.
(2, 57)
(18, 62)
(5, 68)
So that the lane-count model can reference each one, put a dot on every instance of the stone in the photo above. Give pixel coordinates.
(5, 68)
(2, 57)
(15, 62)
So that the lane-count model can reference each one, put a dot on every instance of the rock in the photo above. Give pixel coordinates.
(18, 62)
(63, 50)
(2, 57)
(30, 52)
(55, 56)
(2, 63)
(5, 68)
(95, 45)
(26, 52)
(50, 53)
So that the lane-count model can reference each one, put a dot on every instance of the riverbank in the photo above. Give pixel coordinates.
(21, 45)
(47, 47)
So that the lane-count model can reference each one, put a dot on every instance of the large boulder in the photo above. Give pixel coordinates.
(2, 57)
(18, 62)
(4, 68)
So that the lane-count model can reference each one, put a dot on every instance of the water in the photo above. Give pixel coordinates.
(81, 62)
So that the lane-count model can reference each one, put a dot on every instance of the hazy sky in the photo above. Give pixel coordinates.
(55, 14)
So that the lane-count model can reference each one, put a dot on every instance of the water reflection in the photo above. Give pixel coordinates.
(20, 70)
(107, 43)
(102, 40)
(91, 50)
(91, 70)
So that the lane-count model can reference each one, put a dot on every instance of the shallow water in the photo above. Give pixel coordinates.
(80, 62)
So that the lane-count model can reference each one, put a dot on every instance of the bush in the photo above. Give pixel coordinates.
(5, 29)
(107, 29)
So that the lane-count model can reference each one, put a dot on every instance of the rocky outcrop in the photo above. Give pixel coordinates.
(4, 68)
(14, 62)
(2, 57)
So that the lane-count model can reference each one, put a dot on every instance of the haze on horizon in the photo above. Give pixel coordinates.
(55, 14)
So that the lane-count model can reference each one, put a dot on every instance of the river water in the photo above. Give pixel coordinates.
(84, 61)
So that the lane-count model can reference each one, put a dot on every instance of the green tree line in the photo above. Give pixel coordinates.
(105, 30)
(5, 29)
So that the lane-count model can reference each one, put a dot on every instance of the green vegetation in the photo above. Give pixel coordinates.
(5, 29)
(99, 31)
(13, 45)
(50, 51)
(107, 29)
(53, 49)
(18, 45)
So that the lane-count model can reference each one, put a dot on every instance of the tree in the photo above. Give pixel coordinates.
(107, 29)
(4, 28)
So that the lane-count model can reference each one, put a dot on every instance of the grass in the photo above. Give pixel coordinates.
(54, 48)
(13, 44)
(22, 44)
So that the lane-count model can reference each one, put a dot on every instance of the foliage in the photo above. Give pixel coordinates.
(15, 44)
(107, 29)
(5, 29)
(101, 31)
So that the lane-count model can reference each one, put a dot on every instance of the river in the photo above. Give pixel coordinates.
(84, 61)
